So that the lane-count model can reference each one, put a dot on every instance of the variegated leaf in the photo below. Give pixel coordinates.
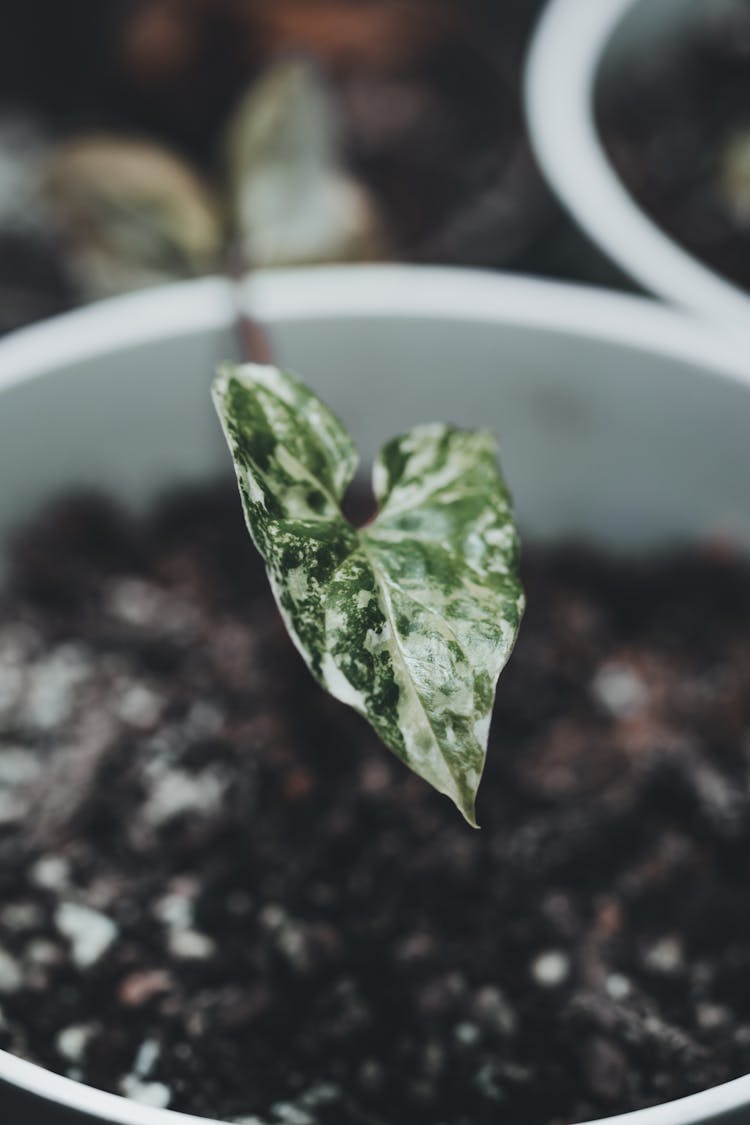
(410, 619)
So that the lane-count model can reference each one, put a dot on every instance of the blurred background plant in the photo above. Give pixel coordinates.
(146, 140)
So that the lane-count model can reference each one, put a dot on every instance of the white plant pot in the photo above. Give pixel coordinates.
(619, 421)
(575, 42)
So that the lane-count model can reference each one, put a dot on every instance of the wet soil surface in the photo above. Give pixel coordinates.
(219, 893)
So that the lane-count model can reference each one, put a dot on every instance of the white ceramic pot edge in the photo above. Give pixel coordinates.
(360, 292)
(371, 291)
(560, 77)
(697, 1108)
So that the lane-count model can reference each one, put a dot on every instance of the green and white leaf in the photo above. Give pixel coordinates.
(410, 619)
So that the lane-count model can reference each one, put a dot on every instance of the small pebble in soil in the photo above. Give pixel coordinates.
(21, 916)
(140, 987)
(711, 1016)
(40, 951)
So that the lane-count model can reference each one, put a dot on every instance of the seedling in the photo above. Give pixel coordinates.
(410, 619)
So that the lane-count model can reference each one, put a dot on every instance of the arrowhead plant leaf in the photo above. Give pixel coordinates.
(409, 619)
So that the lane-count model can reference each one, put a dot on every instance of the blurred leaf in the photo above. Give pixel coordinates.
(131, 213)
(735, 175)
(291, 200)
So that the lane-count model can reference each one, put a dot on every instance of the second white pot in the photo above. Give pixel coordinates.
(575, 41)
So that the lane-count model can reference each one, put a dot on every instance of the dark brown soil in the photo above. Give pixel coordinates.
(669, 127)
(287, 926)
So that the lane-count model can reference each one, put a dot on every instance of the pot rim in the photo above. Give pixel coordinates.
(360, 292)
(356, 292)
(562, 66)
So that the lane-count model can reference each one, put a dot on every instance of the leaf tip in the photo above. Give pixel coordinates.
(471, 819)
(467, 809)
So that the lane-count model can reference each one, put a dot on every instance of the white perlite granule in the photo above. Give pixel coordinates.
(54, 679)
(291, 1114)
(665, 955)
(551, 968)
(145, 1060)
(466, 1033)
(177, 792)
(617, 986)
(18, 766)
(72, 1041)
(619, 690)
(11, 977)
(135, 601)
(175, 910)
(154, 1094)
(190, 945)
(138, 706)
(89, 932)
(50, 872)
(13, 806)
